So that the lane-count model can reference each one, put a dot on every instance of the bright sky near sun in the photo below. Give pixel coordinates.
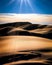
(28, 10)
(26, 6)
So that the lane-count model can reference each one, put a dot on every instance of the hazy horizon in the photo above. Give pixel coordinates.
(33, 18)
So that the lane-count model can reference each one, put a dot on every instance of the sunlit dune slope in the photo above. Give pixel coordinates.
(19, 43)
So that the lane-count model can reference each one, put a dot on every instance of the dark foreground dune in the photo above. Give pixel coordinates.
(25, 44)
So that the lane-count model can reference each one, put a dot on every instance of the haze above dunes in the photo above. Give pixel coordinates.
(33, 18)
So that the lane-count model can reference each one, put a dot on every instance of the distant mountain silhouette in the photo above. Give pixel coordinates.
(14, 24)
(26, 29)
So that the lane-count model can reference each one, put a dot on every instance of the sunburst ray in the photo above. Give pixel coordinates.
(29, 3)
(21, 3)
(11, 2)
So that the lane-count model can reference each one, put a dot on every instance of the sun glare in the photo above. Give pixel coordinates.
(22, 3)
(26, 2)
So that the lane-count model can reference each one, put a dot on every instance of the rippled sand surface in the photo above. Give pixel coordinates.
(28, 49)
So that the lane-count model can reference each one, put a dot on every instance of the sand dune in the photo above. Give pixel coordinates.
(22, 43)
(18, 43)
(26, 29)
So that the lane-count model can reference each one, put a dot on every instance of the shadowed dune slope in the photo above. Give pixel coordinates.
(26, 29)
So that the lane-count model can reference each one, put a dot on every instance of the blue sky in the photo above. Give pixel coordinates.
(35, 6)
